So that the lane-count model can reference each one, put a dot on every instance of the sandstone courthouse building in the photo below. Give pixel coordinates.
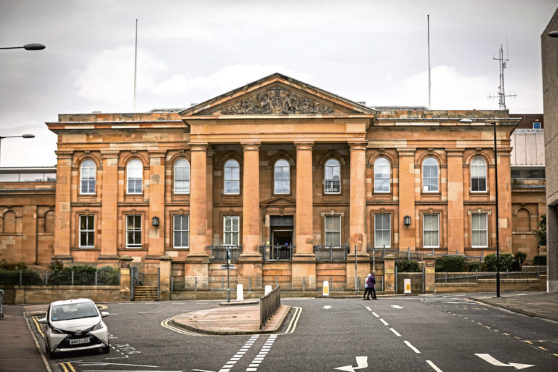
(295, 180)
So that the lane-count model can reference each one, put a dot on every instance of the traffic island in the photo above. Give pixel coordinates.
(235, 320)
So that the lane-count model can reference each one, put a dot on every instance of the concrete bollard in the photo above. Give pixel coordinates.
(407, 286)
(240, 292)
(325, 288)
(267, 290)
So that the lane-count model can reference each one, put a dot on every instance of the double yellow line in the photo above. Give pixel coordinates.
(38, 326)
(67, 367)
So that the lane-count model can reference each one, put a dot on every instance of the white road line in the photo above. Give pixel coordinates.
(255, 363)
(383, 321)
(434, 367)
(236, 357)
(376, 315)
(412, 347)
(395, 332)
(369, 309)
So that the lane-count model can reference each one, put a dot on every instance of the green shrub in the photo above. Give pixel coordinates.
(506, 262)
(407, 266)
(450, 264)
(108, 275)
(474, 266)
(539, 260)
(12, 277)
(10, 266)
(540, 232)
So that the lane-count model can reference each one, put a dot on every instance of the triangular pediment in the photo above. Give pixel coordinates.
(278, 201)
(277, 95)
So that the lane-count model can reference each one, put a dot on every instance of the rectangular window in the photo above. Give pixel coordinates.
(133, 231)
(86, 231)
(479, 230)
(382, 231)
(230, 230)
(332, 231)
(181, 230)
(431, 230)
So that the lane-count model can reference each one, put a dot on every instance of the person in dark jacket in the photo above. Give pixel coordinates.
(371, 281)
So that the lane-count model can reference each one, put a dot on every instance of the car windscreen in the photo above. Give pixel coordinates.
(73, 311)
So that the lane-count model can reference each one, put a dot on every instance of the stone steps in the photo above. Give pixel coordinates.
(146, 293)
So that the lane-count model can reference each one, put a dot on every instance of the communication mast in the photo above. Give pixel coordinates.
(501, 89)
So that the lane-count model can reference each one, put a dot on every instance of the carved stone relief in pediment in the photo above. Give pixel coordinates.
(278, 101)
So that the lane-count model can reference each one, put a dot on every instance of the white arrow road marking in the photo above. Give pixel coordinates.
(490, 359)
(397, 307)
(327, 307)
(362, 362)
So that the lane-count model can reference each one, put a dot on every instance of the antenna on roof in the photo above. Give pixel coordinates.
(501, 89)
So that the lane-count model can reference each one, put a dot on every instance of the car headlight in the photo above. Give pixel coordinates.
(98, 326)
(57, 331)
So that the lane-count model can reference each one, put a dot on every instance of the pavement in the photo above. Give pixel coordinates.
(20, 351)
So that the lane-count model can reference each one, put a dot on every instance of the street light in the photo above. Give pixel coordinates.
(22, 136)
(33, 46)
(497, 229)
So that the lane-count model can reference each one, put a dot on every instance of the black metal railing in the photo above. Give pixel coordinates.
(331, 253)
(277, 252)
(219, 252)
(418, 255)
(269, 304)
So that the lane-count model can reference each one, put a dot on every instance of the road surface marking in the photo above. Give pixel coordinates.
(255, 363)
(495, 362)
(327, 307)
(362, 362)
(528, 342)
(368, 308)
(376, 315)
(434, 367)
(294, 321)
(165, 324)
(395, 332)
(45, 362)
(397, 307)
(412, 347)
(38, 326)
(236, 357)
(543, 348)
(383, 321)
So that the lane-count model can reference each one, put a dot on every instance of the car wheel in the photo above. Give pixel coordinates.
(106, 349)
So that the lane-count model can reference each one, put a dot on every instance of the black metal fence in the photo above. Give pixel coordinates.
(62, 277)
(219, 252)
(269, 304)
(277, 252)
(418, 255)
(331, 253)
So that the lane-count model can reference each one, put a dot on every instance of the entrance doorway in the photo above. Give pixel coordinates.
(281, 237)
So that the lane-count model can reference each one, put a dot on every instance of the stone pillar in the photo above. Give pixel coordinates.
(304, 260)
(197, 262)
(125, 278)
(29, 235)
(165, 273)
(156, 234)
(455, 201)
(63, 207)
(357, 220)
(389, 274)
(407, 198)
(430, 274)
(109, 206)
(505, 200)
(552, 249)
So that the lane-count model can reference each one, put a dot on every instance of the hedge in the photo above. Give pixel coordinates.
(450, 264)
(506, 262)
(407, 266)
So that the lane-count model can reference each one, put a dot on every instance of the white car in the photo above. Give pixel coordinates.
(75, 325)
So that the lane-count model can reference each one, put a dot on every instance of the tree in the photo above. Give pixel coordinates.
(540, 233)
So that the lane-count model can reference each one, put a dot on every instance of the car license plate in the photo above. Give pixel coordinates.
(78, 341)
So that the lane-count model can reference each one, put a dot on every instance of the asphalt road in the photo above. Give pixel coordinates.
(425, 333)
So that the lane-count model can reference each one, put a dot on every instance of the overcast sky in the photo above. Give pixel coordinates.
(191, 51)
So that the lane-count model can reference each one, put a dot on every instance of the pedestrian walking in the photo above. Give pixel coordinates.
(371, 280)
(366, 288)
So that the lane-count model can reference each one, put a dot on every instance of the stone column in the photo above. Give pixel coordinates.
(357, 228)
(109, 206)
(125, 278)
(63, 207)
(505, 200)
(304, 260)
(165, 272)
(251, 202)
(455, 201)
(407, 198)
(430, 274)
(156, 234)
(197, 263)
(389, 274)
(29, 235)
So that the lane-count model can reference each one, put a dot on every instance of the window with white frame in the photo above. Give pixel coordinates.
(134, 176)
(87, 231)
(381, 175)
(232, 177)
(431, 230)
(479, 230)
(332, 177)
(133, 231)
(88, 175)
(281, 177)
(430, 175)
(478, 174)
(332, 228)
(182, 177)
(382, 230)
(181, 231)
(231, 230)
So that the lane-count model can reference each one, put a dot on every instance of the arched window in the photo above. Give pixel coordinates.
(332, 177)
(88, 175)
(134, 176)
(522, 221)
(282, 177)
(182, 177)
(381, 175)
(232, 177)
(430, 175)
(478, 174)
(49, 222)
(9, 222)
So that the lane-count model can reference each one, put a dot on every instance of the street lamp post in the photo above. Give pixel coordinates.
(22, 136)
(497, 227)
(33, 46)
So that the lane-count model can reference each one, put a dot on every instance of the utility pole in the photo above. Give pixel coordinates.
(501, 88)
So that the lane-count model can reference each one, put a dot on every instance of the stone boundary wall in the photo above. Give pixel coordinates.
(45, 294)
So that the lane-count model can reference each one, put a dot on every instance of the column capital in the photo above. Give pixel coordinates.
(157, 154)
(110, 154)
(251, 146)
(358, 145)
(406, 152)
(64, 154)
(198, 147)
(455, 152)
(304, 145)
